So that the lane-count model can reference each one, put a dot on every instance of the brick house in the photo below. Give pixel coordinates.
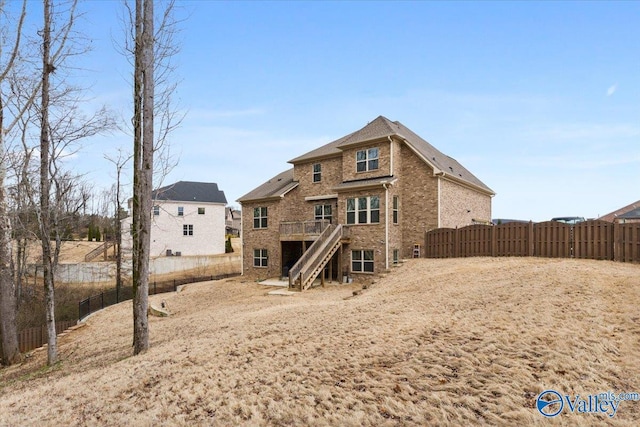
(188, 218)
(356, 206)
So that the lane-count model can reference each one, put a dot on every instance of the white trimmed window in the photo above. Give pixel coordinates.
(260, 258)
(363, 210)
(396, 256)
(187, 229)
(395, 209)
(367, 160)
(200, 211)
(260, 217)
(317, 172)
(180, 210)
(156, 210)
(322, 212)
(362, 261)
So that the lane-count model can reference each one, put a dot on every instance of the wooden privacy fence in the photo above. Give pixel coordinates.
(31, 338)
(593, 239)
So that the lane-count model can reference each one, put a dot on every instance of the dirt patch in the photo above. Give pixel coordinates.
(436, 342)
(71, 252)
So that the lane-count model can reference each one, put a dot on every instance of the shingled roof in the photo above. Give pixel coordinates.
(276, 187)
(381, 128)
(189, 191)
(629, 209)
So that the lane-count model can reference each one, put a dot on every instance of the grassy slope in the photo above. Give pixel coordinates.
(465, 341)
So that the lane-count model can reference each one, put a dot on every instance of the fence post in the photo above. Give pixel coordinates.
(456, 243)
(530, 240)
(492, 233)
(616, 241)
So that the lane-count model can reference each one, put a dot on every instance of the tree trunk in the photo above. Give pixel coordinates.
(45, 189)
(9, 345)
(9, 349)
(143, 170)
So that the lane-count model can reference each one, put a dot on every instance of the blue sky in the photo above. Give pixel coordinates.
(541, 101)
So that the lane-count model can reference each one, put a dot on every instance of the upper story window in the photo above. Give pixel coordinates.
(317, 172)
(180, 210)
(260, 217)
(322, 212)
(363, 210)
(200, 211)
(187, 230)
(395, 209)
(156, 210)
(367, 160)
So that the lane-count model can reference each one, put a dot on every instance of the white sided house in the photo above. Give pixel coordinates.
(188, 218)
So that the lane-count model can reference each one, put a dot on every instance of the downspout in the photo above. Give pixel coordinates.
(439, 200)
(386, 225)
(390, 156)
(241, 243)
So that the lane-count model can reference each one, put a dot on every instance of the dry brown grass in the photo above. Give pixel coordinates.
(436, 342)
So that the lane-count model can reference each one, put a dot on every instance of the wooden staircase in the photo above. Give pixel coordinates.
(313, 261)
(102, 249)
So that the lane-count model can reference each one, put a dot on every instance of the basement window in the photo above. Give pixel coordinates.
(362, 261)
(260, 258)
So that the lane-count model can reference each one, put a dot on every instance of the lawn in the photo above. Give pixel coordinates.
(435, 342)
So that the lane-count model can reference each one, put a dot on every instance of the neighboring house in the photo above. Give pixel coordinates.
(627, 214)
(380, 189)
(188, 218)
(233, 221)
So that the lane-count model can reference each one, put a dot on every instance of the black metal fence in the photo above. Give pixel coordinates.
(113, 296)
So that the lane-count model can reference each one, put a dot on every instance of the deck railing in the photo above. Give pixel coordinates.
(301, 229)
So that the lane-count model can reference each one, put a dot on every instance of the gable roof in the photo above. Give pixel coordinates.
(381, 128)
(189, 191)
(611, 216)
(276, 187)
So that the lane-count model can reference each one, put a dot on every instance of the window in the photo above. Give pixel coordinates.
(187, 230)
(180, 211)
(260, 218)
(260, 258)
(200, 211)
(363, 210)
(156, 210)
(395, 209)
(322, 212)
(317, 172)
(367, 160)
(362, 261)
(396, 256)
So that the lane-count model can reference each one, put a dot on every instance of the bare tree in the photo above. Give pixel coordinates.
(58, 134)
(119, 162)
(152, 51)
(9, 350)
